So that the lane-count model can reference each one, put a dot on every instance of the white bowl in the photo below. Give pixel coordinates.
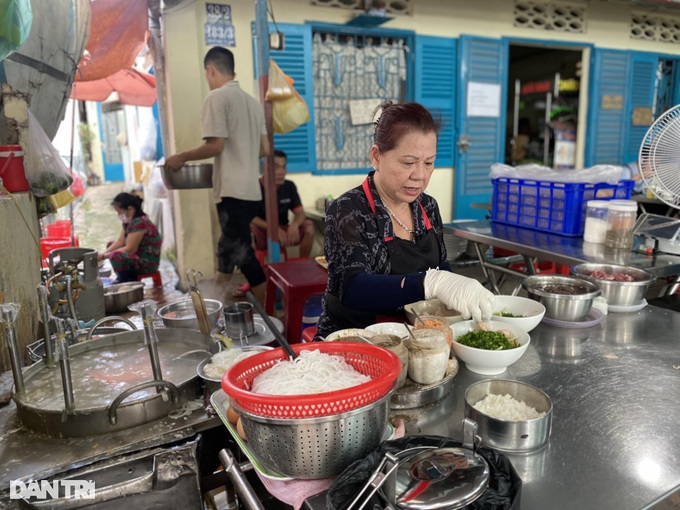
(389, 328)
(431, 307)
(483, 361)
(533, 311)
(343, 334)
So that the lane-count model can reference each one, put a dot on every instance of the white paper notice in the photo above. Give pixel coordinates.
(483, 99)
(361, 110)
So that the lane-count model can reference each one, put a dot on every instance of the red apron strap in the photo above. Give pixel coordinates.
(369, 194)
(371, 202)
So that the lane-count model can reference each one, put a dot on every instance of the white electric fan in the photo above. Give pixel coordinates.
(659, 166)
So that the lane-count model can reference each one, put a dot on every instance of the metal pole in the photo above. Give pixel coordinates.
(270, 199)
(44, 306)
(546, 129)
(65, 366)
(10, 312)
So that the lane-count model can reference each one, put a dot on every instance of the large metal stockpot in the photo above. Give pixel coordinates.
(113, 384)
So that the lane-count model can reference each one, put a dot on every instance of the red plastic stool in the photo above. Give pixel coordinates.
(308, 334)
(156, 277)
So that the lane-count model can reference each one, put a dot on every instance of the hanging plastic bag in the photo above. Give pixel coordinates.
(15, 25)
(45, 171)
(289, 113)
(280, 84)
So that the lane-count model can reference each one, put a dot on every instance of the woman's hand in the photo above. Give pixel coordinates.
(460, 293)
(102, 256)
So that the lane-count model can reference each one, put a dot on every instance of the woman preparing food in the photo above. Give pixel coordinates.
(384, 239)
(138, 248)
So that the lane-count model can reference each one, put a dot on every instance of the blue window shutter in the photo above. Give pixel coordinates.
(641, 81)
(610, 75)
(296, 61)
(436, 88)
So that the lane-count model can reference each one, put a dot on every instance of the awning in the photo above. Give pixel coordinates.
(133, 88)
(117, 36)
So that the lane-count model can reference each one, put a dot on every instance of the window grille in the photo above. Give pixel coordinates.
(654, 28)
(347, 68)
(391, 6)
(555, 16)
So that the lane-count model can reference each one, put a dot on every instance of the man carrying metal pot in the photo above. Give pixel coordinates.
(234, 133)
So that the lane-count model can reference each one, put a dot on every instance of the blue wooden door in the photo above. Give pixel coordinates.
(112, 133)
(621, 98)
(296, 61)
(483, 69)
(435, 88)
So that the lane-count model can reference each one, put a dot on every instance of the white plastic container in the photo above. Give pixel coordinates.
(620, 222)
(596, 221)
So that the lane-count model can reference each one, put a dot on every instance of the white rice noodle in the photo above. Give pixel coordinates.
(505, 407)
(221, 362)
(311, 372)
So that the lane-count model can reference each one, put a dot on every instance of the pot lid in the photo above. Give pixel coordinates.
(441, 478)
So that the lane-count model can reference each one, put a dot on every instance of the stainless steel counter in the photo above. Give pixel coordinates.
(26, 454)
(560, 249)
(615, 440)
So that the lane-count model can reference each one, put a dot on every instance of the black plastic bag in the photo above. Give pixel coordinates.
(503, 493)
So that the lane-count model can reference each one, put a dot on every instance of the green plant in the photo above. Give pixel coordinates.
(86, 136)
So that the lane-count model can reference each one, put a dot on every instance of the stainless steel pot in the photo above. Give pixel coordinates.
(617, 293)
(113, 384)
(506, 435)
(118, 297)
(562, 306)
(190, 176)
(182, 314)
(239, 320)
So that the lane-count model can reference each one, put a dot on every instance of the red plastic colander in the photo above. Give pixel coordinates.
(381, 365)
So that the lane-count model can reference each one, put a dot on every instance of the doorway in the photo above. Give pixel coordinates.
(544, 87)
(113, 138)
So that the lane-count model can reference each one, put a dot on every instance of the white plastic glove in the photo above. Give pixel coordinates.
(460, 293)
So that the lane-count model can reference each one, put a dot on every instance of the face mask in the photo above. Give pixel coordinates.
(123, 218)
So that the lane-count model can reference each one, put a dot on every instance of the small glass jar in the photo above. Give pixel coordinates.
(620, 222)
(434, 322)
(596, 221)
(428, 356)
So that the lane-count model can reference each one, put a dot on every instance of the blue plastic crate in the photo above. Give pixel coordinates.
(555, 207)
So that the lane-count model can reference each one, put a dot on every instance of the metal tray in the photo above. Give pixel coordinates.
(412, 395)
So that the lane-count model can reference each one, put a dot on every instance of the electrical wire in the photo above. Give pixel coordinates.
(270, 10)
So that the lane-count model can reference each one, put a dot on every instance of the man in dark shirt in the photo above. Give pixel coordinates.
(300, 231)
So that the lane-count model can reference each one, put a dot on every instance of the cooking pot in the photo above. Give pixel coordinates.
(190, 176)
(118, 297)
(113, 384)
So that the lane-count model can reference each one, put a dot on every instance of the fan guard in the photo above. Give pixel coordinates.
(659, 160)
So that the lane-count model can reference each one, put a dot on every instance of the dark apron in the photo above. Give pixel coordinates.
(406, 257)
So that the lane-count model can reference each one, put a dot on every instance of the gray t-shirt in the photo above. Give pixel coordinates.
(230, 113)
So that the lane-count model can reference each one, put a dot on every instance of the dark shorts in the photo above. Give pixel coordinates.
(234, 247)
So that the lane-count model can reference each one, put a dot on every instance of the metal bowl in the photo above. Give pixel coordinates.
(558, 305)
(213, 384)
(617, 293)
(119, 296)
(506, 435)
(181, 314)
(190, 176)
(313, 448)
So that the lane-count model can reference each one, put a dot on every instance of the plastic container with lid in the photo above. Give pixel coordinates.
(596, 221)
(620, 222)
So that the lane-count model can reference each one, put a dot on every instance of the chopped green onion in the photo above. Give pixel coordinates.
(489, 340)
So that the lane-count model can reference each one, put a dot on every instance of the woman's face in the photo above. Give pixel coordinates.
(404, 172)
(124, 214)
